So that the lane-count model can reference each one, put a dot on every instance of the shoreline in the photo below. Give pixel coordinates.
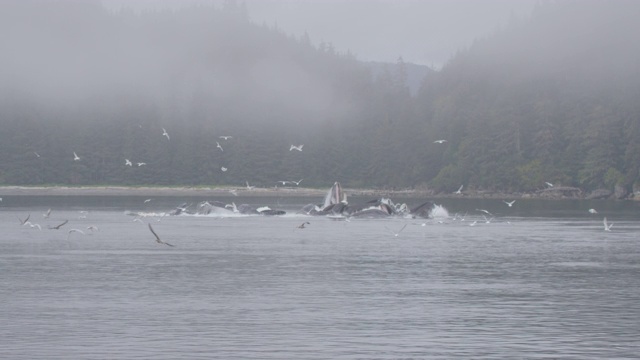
(550, 194)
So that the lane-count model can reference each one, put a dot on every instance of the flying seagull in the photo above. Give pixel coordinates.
(440, 141)
(142, 163)
(459, 191)
(218, 146)
(37, 155)
(398, 233)
(158, 237)
(302, 226)
(510, 203)
(146, 201)
(46, 215)
(57, 227)
(164, 133)
(485, 211)
(127, 162)
(249, 187)
(297, 182)
(225, 137)
(22, 222)
(293, 147)
(76, 157)
(33, 225)
(74, 230)
(224, 169)
(549, 184)
(607, 226)
(593, 211)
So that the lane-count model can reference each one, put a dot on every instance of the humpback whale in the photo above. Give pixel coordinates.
(335, 203)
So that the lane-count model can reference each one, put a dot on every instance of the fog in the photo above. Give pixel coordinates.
(426, 32)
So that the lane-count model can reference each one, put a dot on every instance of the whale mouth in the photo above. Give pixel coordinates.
(334, 196)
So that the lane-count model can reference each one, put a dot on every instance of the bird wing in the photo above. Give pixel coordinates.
(59, 226)
(154, 233)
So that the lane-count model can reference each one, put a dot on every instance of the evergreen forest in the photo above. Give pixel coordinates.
(551, 98)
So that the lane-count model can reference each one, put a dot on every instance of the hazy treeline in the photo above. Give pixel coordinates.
(538, 101)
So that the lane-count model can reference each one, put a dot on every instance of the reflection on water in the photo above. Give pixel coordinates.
(536, 282)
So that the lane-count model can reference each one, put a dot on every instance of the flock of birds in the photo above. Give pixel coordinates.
(128, 162)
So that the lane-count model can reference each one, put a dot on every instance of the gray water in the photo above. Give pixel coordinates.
(541, 280)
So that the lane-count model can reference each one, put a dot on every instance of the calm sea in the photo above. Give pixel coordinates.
(541, 280)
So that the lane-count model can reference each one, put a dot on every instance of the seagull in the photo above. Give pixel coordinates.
(92, 228)
(37, 155)
(158, 237)
(487, 221)
(473, 223)
(249, 187)
(223, 169)
(138, 220)
(440, 141)
(127, 162)
(218, 146)
(510, 203)
(593, 211)
(57, 227)
(142, 163)
(76, 157)
(164, 133)
(297, 182)
(485, 211)
(302, 226)
(293, 147)
(225, 137)
(549, 184)
(284, 182)
(459, 191)
(146, 201)
(33, 225)
(74, 230)
(46, 215)
(22, 222)
(398, 233)
(607, 226)
(233, 192)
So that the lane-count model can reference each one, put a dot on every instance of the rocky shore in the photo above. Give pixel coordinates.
(560, 192)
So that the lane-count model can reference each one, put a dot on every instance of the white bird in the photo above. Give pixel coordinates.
(37, 155)
(218, 146)
(127, 162)
(607, 226)
(158, 237)
(92, 228)
(249, 187)
(548, 184)
(284, 182)
(399, 231)
(224, 169)
(46, 215)
(32, 225)
(297, 182)
(293, 147)
(485, 211)
(138, 220)
(142, 163)
(76, 157)
(164, 133)
(473, 223)
(459, 191)
(74, 230)
(593, 211)
(146, 201)
(225, 137)
(302, 226)
(233, 192)
(440, 141)
(510, 203)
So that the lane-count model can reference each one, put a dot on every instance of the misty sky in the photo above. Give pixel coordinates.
(424, 32)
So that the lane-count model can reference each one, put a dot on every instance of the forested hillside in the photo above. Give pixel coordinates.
(537, 101)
